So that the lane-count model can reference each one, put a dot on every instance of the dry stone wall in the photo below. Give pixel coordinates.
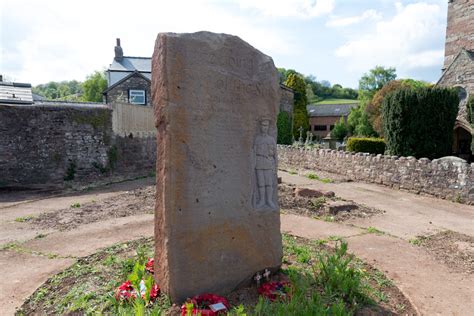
(44, 146)
(448, 178)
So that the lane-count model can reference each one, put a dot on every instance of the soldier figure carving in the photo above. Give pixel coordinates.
(265, 166)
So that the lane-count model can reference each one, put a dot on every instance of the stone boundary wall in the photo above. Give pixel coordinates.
(445, 178)
(64, 145)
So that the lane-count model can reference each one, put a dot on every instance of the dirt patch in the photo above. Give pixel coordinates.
(320, 175)
(134, 202)
(327, 208)
(454, 249)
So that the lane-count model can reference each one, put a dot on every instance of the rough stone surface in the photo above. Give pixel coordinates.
(305, 192)
(120, 92)
(461, 74)
(211, 92)
(460, 29)
(445, 178)
(286, 100)
(341, 206)
(60, 145)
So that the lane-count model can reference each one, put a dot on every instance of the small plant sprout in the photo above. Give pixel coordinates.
(24, 218)
(75, 205)
(373, 230)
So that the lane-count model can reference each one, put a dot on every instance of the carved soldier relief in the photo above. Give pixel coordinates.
(265, 167)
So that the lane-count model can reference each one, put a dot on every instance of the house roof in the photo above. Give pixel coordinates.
(135, 73)
(15, 93)
(468, 53)
(130, 63)
(330, 109)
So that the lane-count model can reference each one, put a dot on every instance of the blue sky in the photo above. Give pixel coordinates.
(334, 40)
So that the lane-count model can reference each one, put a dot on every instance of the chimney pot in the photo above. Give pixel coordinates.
(118, 51)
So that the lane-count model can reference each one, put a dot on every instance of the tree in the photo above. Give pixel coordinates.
(374, 107)
(284, 128)
(93, 87)
(373, 81)
(64, 90)
(340, 130)
(419, 122)
(300, 115)
(284, 73)
(369, 84)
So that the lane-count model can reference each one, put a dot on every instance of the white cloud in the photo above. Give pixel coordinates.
(48, 40)
(290, 8)
(411, 39)
(336, 21)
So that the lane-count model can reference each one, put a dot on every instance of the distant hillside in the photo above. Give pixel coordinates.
(337, 101)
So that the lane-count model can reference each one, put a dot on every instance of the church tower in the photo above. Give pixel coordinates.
(460, 29)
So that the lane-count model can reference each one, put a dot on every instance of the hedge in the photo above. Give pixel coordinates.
(284, 128)
(419, 122)
(366, 145)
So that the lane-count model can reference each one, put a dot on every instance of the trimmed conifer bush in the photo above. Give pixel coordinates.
(366, 145)
(419, 122)
(284, 128)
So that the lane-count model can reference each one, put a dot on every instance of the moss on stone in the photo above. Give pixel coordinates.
(98, 119)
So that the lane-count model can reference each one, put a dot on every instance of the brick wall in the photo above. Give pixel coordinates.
(58, 145)
(323, 120)
(446, 178)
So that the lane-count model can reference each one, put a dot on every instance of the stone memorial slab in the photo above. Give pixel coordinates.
(217, 220)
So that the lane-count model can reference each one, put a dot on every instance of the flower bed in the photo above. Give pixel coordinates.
(205, 305)
(276, 290)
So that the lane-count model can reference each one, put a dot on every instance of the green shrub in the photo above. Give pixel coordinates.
(419, 122)
(340, 130)
(284, 128)
(366, 145)
(470, 109)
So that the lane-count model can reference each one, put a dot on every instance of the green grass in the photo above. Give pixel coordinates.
(24, 218)
(318, 202)
(75, 205)
(337, 101)
(314, 176)
(418, 241)
(373, 230)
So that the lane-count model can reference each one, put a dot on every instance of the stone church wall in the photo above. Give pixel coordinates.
(460, 30)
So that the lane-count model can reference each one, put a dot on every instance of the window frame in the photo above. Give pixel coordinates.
(320, 128)
(131, 99)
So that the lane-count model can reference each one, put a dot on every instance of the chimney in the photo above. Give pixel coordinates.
(118, 51)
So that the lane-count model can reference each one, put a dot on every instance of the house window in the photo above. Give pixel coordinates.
(319, 127)
(137, 96)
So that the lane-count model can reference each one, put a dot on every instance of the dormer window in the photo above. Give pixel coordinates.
(137, 97)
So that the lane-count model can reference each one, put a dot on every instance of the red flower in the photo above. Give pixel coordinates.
(155, 292)
(275, 290)
(149, 266)
(202, 302)
(125, 292)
